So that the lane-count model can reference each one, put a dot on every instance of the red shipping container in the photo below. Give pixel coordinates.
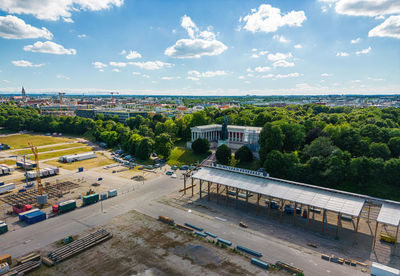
(55, 208)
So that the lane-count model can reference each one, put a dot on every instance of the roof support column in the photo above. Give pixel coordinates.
(282, 202)
(294, 213)
(308, 217)
(395, 240)
(192, 186)
(217, 193)
(376, 231)
(208, 190)
(227, 195)
(269, 206)
(369, 211)
(356, 230)
(237, 196)
(323, 220)
(201, 182)
(184, 184)
(247, 200)
(258, 203)
(339, 224)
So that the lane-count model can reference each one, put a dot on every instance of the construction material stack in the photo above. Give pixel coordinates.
(5, 169)
(7, 188)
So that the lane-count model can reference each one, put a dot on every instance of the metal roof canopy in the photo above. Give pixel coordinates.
(389, 214)
(307, 195)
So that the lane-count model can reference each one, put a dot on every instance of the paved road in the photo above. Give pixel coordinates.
(143, 199)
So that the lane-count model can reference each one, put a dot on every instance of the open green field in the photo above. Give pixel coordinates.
(100, 161)
(19, 141)
(9, 162)
(52, 154)
(182, 156)
(50, 148)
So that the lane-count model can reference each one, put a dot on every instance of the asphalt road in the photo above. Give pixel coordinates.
(144, 199)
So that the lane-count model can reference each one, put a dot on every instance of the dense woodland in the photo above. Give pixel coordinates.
(353, 149)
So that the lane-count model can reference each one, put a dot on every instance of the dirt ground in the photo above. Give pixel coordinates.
(144, 246)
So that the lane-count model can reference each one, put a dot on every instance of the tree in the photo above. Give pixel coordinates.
(280, 164)
(163, 145)
(244, 154)
(223, 155)
(394, 145)
(145, 148)
(294, 136)
(201, 146)
(321, 146)
(379, 150)
(271, 138)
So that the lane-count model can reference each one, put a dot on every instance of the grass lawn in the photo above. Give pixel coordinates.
(100, 161)
(20, 141)
(182, 156)
(7, 162)
(49, 148)
(53, 154)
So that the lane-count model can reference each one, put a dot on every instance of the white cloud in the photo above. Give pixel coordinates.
(364, 51)
(55, 9)
(249, 70)
(198, 45)
(298, 46)
(133, 55)
(326, 75)
(375, 79)
(118, 64)
(279, 56)
(371, 8)
(82, 36)
(283, 63)
(254, 50)
(281, 38)
(136, 73)
(63, 77)
(99, 65)
(12, 27)
(290, 75)
(68, 20)
(145, 76)
(170, 78)
(263, 53)
(262, 69)
(255, 56)
(6, 81)
(268, 76)
(152, 65)
(342, 54)
(192, 78)
(116, 70)
(123, 52)
(241, 77)
(207, 74)
(25, 63)
(354, 41)
(389, 28)
(268, 19)
(49, 47)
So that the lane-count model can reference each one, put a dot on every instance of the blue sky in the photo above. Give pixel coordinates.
(200, 47)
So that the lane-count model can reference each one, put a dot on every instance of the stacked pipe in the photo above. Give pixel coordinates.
(79, 245)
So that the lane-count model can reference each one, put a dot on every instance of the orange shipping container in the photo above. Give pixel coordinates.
(5, 258)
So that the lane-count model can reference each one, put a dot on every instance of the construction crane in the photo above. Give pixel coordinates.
(60, 94)
(112, 97)
(39, 181)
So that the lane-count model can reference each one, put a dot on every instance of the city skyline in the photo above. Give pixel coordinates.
(201, 48)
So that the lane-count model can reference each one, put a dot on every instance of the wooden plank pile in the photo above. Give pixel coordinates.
(79, 245)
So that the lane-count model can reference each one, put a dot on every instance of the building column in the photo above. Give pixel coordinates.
(201, 182)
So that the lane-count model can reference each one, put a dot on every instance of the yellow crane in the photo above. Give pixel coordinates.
(39, 181)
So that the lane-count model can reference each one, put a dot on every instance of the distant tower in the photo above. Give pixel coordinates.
(23, 93)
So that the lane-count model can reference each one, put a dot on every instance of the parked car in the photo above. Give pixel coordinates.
(174, 167)
(174, 175)
(169, 173)
(127, 157)
(154, 154)
(141, 168)
(184, 168)
(157, 166)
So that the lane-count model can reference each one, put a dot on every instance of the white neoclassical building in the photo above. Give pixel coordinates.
(237, 135)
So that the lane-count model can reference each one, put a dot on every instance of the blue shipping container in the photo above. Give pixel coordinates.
(80, 169)
(35, 217)
(200, 234)
(259, 263)
(248, 250)
(228, 243)
(194, 227)
(210, 234)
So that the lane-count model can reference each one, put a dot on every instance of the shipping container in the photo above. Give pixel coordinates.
(249, 251)
(43, 173)
(66, 206)
(27, 165)
(378, 269)
(3, 228)
(112, 193)
(259, 263)
(22, 214)
(90, 199)
(6, 258)
(6, 188)
(4, 267)
(35, 217)
(103, 196)
(80, 169)
(5, 169)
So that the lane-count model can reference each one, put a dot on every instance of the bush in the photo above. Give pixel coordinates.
(223, 155)
(200, 146)
(244, 154)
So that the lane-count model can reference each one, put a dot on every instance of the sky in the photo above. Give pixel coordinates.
(208, 47)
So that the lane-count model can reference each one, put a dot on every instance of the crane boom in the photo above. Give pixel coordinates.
(39, 181)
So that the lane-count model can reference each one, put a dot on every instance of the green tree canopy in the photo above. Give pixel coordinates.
(223, 155)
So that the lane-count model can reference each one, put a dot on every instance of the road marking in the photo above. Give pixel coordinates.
(221, 219)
